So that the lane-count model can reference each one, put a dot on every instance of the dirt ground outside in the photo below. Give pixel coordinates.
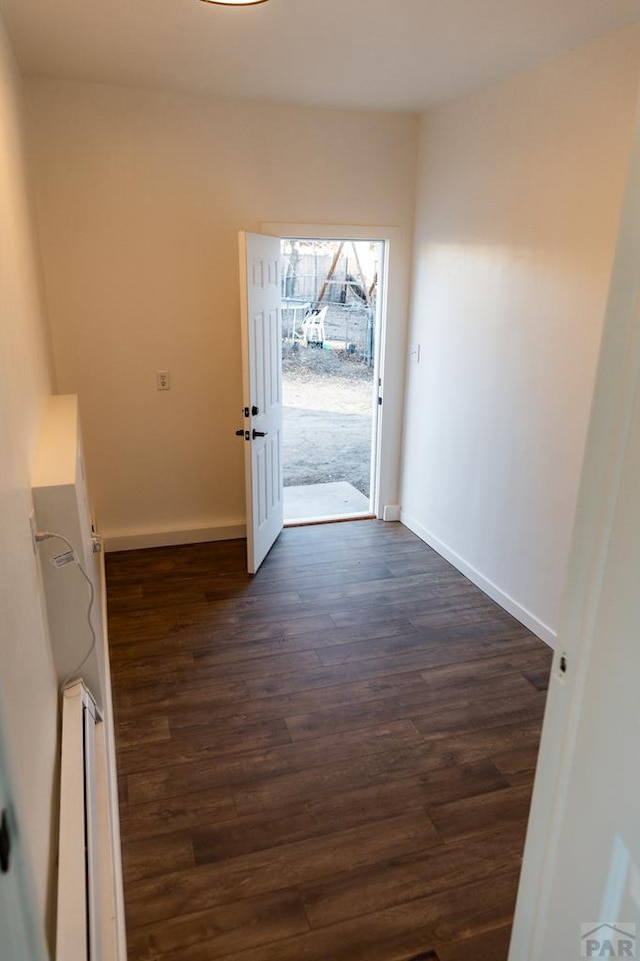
(327, 417)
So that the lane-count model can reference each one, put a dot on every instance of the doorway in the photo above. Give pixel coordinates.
(332, 301)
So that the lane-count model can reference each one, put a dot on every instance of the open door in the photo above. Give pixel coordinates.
(579, 892)
(260, 297)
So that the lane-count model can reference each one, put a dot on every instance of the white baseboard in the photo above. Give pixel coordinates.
(172, 538)
(391, 512)
(530, 621)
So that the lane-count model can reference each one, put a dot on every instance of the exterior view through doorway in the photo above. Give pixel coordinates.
(331, 387)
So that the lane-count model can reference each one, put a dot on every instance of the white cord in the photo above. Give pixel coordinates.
(45, 536)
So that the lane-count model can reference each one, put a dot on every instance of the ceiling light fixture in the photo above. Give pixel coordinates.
(235, 3)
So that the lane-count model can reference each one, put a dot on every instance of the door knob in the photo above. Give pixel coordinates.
(5, 844)
(259, 433)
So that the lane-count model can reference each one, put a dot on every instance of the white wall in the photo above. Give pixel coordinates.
(28, 695)
(140, 196)
(520, 188)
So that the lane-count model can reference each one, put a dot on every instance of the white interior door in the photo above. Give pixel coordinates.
(260, 295)
(579, 891)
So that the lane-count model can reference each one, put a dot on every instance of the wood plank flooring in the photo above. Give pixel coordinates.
(330, 761)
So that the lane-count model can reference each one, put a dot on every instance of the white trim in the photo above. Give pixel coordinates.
(108, 788)
(74, 908)
(391, 512)
(136, 541)
(508, 603)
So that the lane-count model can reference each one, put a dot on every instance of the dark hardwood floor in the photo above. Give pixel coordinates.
(330, 761)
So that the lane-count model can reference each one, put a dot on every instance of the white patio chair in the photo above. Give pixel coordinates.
(313, 326)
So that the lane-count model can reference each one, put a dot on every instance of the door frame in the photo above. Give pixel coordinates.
(391, 351)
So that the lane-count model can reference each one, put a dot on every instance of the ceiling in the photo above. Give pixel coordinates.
(369, 54)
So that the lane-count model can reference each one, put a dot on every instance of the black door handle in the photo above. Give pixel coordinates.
(243, 433)
(5, 844)
(259, 433)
